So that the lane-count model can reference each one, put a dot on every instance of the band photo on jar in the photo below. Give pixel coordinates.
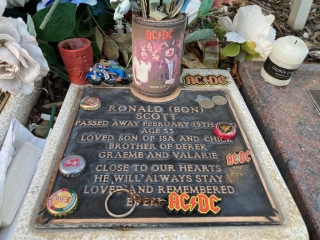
(156, 64)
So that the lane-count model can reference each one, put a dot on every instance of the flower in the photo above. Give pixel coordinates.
(21, 60)
(45, 3)
(2, 6)
(250, 26)
(16, 3)
(191, 8)
(121, 8)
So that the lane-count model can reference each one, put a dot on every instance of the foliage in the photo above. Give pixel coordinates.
(220, 34)
(201, 34)
(231, 50)
(70, 20)
(205, 8)
(55, 31)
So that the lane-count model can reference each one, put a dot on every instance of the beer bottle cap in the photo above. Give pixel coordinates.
(62, 202)
(90, 103)
(72, 166)
(225, 130)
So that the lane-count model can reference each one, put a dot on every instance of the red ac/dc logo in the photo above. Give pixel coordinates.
(237, 158)
(75, 162)
(158, 35)
(183, 202)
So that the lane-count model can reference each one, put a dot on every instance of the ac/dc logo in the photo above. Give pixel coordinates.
(238, 158)
(158, 35)
(183, 202)
(200, 80)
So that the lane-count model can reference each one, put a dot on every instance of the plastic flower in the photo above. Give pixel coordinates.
(2, 6)
(45, 3)
(16, 3)
(191, 8)
(21, 60)
(121, 8)
(252, 30)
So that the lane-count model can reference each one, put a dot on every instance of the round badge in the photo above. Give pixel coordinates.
(72, 166)
(204, 103)
(90, 103)
(225, 130)
(219, 100)
(62, 202)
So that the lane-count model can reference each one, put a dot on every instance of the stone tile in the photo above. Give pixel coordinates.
(290, 126)
(292, 226)
(18, 106)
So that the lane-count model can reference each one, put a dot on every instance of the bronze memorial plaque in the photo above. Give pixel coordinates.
(169, 151)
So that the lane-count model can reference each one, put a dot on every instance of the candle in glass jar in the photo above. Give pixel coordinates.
(284, 59)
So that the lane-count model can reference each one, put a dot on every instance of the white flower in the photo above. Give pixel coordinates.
(3, 4)
(191, 8)
(21, 60)
(250, 25)
(16, 3)
(121, 8)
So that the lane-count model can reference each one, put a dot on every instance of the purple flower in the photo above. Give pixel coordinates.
(45, 3)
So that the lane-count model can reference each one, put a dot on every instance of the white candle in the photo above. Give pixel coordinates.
(284, 59)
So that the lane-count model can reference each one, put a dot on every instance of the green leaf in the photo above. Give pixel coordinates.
(73, 34)
(30, 25)
(84, 30)
(48, 52)
(99, 38)
(249, 47)
(83, 22)
(248, 57)
(60, 25)
(205, 7)
(95, 50)
(105, 21)
(201, 34)
(231, 50)
(59, 71)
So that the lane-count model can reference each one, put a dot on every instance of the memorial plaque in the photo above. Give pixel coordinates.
(157, 149)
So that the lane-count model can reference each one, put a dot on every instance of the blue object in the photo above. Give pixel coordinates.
(102, 73)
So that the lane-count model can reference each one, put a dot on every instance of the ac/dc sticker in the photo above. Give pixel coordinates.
(200, 80)
(238, 158)
(186, 204)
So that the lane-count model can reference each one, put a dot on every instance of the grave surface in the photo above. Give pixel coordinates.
(289, 224)
(289, 123)
(154, 149)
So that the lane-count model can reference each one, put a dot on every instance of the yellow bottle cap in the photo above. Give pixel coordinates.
(90, 103)
(62, 202)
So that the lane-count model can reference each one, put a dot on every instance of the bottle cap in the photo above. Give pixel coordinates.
(72, 166)
(90, 103)
(225, 130)
(62, 202)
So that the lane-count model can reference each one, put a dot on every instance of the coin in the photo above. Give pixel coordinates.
(206, 103)
(219, 100)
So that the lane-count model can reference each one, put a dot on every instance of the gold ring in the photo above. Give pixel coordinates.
(120, 215)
